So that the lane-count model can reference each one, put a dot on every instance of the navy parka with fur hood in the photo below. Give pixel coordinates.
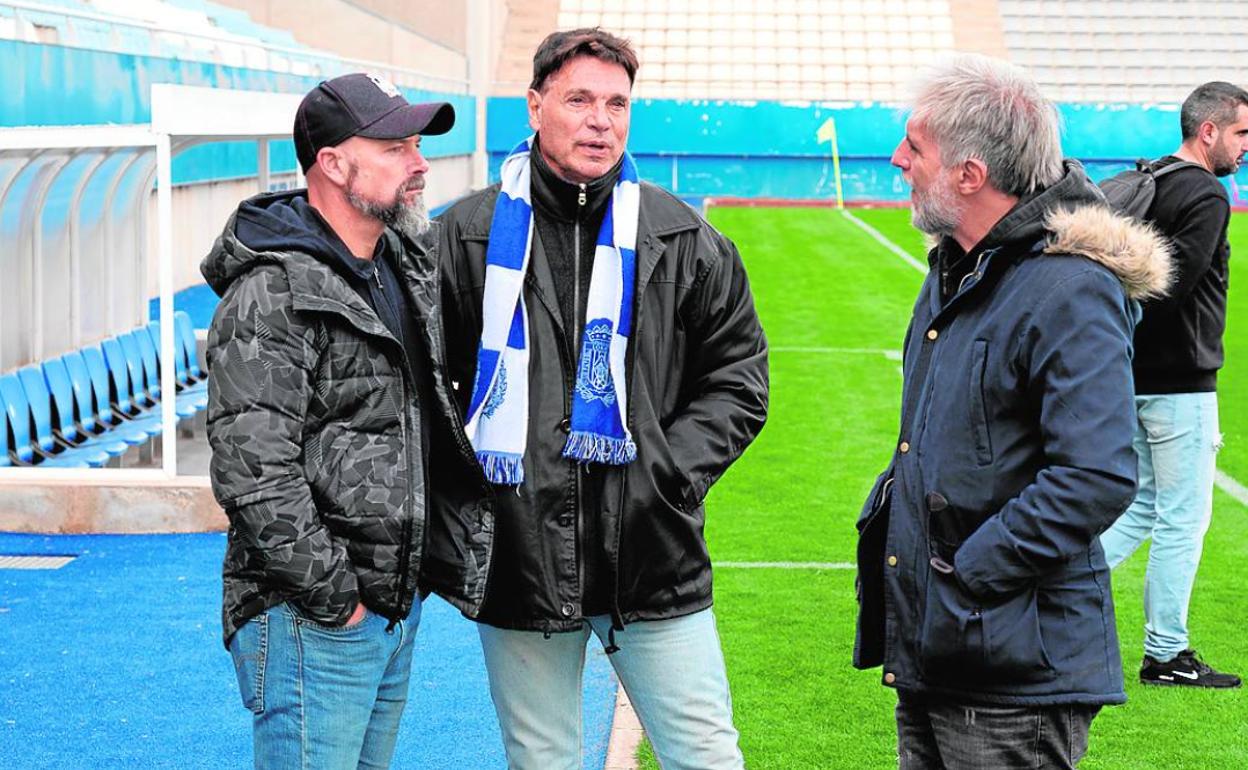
(981, 577)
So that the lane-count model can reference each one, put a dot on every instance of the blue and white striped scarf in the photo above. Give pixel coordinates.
(498, 415)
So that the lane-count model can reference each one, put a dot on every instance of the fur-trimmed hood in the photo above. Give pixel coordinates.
(1132, 250)
(1072, 217)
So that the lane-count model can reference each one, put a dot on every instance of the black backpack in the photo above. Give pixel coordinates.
(1131, 192)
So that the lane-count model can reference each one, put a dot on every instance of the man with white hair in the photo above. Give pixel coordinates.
(984, 592)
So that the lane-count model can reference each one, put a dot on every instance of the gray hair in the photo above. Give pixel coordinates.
(988, 109)
(1216, 102)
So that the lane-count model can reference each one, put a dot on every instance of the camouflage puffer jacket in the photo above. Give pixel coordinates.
(316, 440)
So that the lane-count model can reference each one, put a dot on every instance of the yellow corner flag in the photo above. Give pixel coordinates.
(827, 133)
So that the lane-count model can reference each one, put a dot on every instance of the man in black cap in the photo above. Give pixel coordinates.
(321, 406)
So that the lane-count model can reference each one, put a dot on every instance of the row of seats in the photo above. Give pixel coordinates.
(88, 408)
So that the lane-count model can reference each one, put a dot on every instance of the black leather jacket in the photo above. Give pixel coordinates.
(697, 396)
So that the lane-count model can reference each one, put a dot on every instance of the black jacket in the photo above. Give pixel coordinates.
(981, 575)
(1178, 344)
(315, 427)
(697, 396)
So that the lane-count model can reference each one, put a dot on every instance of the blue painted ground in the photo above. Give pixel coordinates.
(116, 661)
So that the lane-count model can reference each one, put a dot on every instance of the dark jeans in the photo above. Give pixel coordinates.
(937, 734)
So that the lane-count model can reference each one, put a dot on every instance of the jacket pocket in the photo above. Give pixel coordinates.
(978, 403)
(879, 498)
(669, 480)
(249, 649)
(963, 640)
(869, 581)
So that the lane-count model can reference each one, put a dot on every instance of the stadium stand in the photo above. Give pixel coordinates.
(816, 50)
(1125, 51)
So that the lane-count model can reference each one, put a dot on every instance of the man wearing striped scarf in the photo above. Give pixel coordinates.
(610, 367)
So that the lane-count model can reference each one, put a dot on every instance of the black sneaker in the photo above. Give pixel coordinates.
(1185, 670)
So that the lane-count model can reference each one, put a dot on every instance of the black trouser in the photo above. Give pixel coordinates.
(938, 734)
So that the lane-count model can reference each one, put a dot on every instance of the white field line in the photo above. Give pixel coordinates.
(1223, 480)
(1231, 487)
(784, 564)
(886, 243)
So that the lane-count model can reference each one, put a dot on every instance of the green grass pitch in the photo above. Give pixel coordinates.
(835, 304)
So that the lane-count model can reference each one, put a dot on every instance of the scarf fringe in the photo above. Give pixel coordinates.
(502, 467)
(596, 448)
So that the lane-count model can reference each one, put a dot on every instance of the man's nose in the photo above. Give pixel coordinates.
(598, 116)
(900, 158)
(419, 164)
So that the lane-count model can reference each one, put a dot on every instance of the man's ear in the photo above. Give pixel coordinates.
(334, 164)
(1208, 133)
(971, 175)
(535, 109)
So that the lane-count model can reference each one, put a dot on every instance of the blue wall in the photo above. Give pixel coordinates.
(772, 149)
(52, 85)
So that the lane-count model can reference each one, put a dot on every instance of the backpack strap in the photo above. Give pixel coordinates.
(1177, 166)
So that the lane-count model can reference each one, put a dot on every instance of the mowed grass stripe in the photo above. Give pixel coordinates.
(785, 565)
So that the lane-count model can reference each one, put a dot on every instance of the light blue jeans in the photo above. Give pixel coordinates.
(1176, 443)
(323, 698)
(673, 671)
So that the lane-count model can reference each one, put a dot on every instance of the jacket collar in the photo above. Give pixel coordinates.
(315, 286)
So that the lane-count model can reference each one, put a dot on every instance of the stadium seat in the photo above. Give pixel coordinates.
(5, 460)
(190, 346)
(92, 407)
(115, 381)
(180, 373)
(140, 387)
(123, 387)
(47, 444)
(68, 427)
(22, 451)
(187, 402)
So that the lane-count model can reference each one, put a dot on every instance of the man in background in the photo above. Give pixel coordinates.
(1178, 351)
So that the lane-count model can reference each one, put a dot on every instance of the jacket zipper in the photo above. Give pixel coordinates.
(576, 317)
(408, 391)
(405, 552)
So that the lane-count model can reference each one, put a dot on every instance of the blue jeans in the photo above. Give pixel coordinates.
(321, 697)
(1176, 441)
(935, 734)
(673, 671)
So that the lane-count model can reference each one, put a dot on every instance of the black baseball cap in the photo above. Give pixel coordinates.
(362, 104)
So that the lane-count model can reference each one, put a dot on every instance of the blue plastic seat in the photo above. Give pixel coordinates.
(39, 401)
(91, 398)
(186, 332)
(141, 391)
(186, 404)
(5, 460)
(114, 382)
(65, 425)
(180, 373)
(13, 400)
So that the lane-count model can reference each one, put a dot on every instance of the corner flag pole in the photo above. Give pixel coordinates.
(827, 132)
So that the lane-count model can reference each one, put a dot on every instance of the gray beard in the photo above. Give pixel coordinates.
(937, 212)
(411, 220)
